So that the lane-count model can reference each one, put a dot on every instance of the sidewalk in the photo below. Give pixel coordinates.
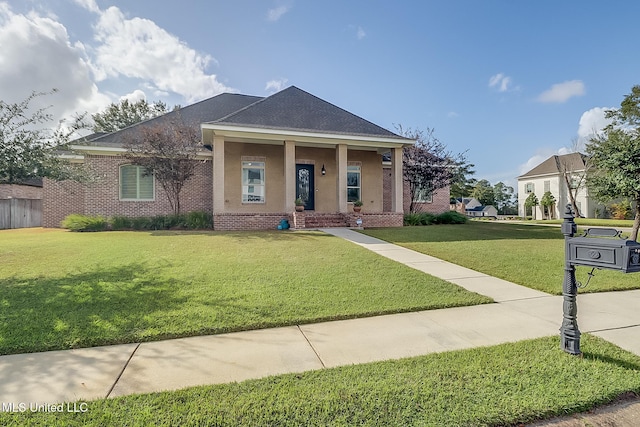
(519, 313)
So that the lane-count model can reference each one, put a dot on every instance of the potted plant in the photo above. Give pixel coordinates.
(357, 206)
(299, 205)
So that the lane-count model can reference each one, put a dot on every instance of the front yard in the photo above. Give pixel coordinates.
(528, 255)
(67, 290)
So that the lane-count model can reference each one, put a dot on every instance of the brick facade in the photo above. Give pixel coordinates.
(245, 221)
(102, 197)
(15, 191)
(440, 201)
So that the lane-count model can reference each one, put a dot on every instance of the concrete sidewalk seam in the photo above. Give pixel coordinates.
(312, 347)
(616, 328)
(122, 371)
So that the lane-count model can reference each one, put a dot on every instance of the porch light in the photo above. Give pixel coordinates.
(323, 170)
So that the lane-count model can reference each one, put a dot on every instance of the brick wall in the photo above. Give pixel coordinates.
(60, 199)
(15, 191)
(439, 203)
(249, 221)
(102, 195)
(376, 220)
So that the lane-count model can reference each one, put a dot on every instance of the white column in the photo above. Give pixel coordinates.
(397, 184)
(341, 177)
(218, 174)
(289, 175)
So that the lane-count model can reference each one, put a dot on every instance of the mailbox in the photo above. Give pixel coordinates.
(611, 251)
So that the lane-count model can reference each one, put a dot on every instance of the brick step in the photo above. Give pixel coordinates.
(324, 221)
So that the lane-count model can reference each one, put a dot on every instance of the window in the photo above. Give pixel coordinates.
(135, 183)
(547, 186)
(529, 188)
(353, 183)
(423, 195)
(253, 182)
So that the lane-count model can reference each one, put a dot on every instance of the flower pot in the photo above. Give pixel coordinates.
(299, 208)
(357, 208)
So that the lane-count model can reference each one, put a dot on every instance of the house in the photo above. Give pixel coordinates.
(550, 176)
(260, 155)
(472, 207)
(29, 189)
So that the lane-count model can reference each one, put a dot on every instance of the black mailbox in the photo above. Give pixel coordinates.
(602, 252)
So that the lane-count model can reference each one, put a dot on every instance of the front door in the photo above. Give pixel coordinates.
(305, 186)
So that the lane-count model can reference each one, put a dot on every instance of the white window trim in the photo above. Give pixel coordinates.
(359, 187)
(247, 159)
(138, 176)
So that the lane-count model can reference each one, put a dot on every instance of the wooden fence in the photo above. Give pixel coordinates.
(20, 213)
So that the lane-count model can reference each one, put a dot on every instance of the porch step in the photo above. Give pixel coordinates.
(325, 220)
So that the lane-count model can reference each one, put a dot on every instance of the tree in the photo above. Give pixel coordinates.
(461, 182)
(167, 150)
(547, 202)
(615, 155)
(29, 148)
(483, 191)
(428, 165)
(530, 202)
(574, 169)
(125, 114)
(503, 196)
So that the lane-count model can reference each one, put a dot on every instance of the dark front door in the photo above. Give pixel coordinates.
(305, 187)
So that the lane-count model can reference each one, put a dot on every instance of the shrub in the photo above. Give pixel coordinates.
(141, 223)
(422, 218)
(120, 223)
(451, 217)
(77, 222)
(199, 220)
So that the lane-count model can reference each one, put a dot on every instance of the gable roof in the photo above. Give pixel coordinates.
(295, 109)
(200, 112)
(553, 165)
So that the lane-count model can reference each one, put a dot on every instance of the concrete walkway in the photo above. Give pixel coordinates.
(519, 313)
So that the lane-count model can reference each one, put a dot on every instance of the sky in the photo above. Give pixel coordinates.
(507, 82)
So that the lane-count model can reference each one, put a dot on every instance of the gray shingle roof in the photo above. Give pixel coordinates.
(295, 109)
(573, 162)
(194, 114)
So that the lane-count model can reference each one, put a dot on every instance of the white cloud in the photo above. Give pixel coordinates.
(89, 5)
(452, 114)
(135, 96)
(562, 92)
(276, 13)
(37, 55)
(138, 48)
(360, 34)
(592, 121)
(541, 155)
(500, 82)
(276, 85)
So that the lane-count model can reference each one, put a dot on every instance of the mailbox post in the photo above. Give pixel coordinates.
(597, 248)
(569, 332)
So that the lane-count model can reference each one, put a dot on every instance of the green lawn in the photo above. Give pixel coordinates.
(500, 385)
(528, 255)
(66, 290)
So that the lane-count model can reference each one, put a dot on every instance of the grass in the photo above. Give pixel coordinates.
(594, 222)
(501, 385)
(528, 255)
(64, 290)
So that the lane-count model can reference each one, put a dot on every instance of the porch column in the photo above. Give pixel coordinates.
(397, 187)
(341, 178)
(218, 174)
(289, 175)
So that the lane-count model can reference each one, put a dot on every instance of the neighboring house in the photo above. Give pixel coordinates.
(472, 207)
(261, 154)
(548, 176)
(29, 189)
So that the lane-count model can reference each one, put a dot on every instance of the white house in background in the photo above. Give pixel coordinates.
(547, 176)
(472, 207)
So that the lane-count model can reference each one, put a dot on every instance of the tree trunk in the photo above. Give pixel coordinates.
(636, 223)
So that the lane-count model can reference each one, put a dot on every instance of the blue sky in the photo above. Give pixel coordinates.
(510, 82)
